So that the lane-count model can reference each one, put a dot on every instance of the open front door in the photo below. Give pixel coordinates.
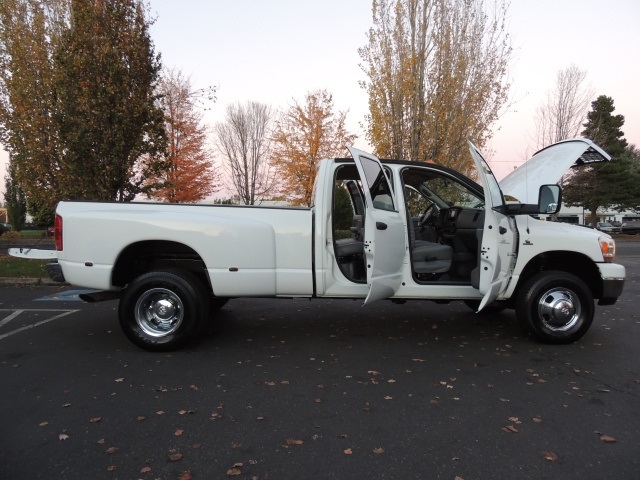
(384, 241)
(498, 250)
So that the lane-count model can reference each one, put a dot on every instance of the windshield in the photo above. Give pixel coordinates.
(439, 188)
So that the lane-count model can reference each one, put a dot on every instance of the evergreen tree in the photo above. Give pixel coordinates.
(30, 32)
(111, 128)
(614, 184)
(15, 202)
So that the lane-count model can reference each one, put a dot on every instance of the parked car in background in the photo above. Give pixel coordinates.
(631, 228)
(608, 228)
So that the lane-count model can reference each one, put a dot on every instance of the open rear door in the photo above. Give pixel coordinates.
(384, 233)
(497, 255)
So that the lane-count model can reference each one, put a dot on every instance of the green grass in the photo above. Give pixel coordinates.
(22, 267)
(32, 233)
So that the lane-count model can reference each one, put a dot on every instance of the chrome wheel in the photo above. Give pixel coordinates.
(555, 307)
(159, 312)
(559, 309)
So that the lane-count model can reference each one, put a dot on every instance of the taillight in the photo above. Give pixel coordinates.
(57, 232)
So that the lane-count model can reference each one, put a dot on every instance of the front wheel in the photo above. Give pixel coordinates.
(555, 307)
(163, 310)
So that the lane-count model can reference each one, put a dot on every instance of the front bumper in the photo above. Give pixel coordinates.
(613, 276)
(611, 290)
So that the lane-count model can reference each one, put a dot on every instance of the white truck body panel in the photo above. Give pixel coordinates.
(248, 251)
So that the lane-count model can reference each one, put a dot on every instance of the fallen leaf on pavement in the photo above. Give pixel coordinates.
(145, 470)
(378, 450)
(111, 450)
(607, 439)
(63, 436)
(174, 457)
(178, 432)
(552, 457)
(348, 451)
(95, 419)
(291, 441)
(233, 472)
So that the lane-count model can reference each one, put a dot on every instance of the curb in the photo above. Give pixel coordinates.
(29, 281)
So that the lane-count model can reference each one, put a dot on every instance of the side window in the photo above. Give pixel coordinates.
(416, 203)
(343, 210)
(381, 192)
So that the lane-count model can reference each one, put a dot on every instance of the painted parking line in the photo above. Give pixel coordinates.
(15, 313)
(65, 296)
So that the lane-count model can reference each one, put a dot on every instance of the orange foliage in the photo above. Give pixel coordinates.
(304, 135)
(190, 177)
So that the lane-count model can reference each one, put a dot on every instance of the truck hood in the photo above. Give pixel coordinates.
(548, 165)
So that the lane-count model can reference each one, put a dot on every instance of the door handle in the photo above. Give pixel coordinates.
(381, 225)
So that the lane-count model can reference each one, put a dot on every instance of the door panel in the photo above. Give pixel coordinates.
(384, 233)
(497, 254)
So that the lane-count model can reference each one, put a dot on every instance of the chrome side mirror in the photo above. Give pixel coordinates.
(549, 199)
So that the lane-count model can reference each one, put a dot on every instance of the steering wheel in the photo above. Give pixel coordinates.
(430, 212)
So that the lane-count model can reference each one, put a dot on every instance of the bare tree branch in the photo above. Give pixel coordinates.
(243, 138)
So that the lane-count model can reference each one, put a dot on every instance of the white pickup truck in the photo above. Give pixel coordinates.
(414, 231)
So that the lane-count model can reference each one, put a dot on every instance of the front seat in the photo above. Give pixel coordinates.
(428, 257)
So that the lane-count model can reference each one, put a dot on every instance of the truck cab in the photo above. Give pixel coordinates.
(422, 231)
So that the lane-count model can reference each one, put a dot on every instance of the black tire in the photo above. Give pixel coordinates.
(488, 309)
(164, 310)
(555, 307)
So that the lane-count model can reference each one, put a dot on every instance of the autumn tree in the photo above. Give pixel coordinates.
(243, 139)
(30, 32)
(562, 113)
(190, 176)
(614, 184)
(436, 77)
(111, 128)
(303, 135)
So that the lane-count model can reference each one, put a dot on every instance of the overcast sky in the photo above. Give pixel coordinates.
(278, 50)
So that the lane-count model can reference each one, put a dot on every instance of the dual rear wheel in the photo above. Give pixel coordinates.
(166, 310)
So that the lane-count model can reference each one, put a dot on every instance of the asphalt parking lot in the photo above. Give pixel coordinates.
(297, 389)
